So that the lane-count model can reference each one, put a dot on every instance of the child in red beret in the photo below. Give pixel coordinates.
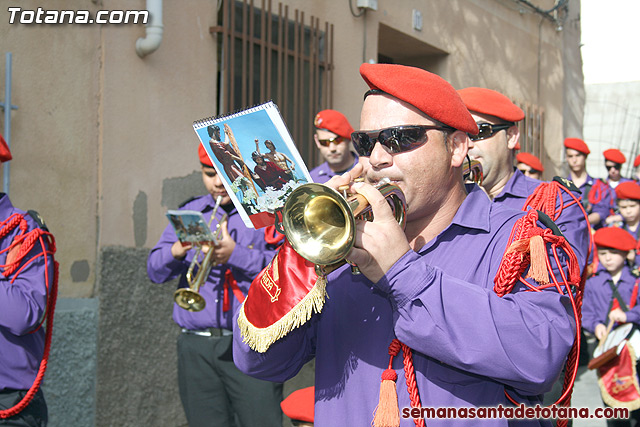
(610, 298)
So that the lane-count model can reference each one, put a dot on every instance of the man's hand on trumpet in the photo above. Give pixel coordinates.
(379, 243)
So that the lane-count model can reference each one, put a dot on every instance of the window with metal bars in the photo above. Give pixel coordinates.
(532, 130)
(266, 54)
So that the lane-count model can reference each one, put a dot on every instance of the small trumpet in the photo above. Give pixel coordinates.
(319, 222)
(189, 298)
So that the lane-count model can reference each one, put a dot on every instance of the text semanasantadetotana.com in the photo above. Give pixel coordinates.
(519, 412)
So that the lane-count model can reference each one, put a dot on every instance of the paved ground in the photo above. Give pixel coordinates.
(586, 393)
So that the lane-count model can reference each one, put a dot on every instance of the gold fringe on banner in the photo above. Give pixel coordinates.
(260, 339)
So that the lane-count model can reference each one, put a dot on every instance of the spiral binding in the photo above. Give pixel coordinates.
(207, 121)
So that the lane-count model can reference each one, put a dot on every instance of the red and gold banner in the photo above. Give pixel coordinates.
(619, 382)
(281, 298)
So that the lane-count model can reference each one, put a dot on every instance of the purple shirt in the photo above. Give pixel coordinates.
(249, 257)
(603, 206)
(22, 306)
(571, 222)
(469, 345)
(323, 173)
(598, 297)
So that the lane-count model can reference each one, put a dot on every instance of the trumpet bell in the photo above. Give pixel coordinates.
(320, 225)
(189, 299)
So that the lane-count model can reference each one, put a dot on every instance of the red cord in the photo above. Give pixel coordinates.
(52, 295)
(544, 199)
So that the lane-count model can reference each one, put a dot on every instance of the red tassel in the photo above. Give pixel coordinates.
(387, 413)
(538, 268)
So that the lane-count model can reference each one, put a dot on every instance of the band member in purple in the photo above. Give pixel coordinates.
(494, 147)
(212, 390)
(611, 300)
(598, 198)
(27, 299)
(426, 292)
(333, 138)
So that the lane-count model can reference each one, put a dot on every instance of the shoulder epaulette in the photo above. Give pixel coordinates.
(548, 222)
(568, 184)
(191, 199)
(38, 219)
(635, 272)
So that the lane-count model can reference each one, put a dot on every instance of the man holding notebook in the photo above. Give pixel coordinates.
(212, 390)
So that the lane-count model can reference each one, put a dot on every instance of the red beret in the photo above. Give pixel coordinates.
(531, 160)
(204, 157)
(5, 154)
(615, 238)
(577, 144)
(333, 121)
(299, 405)
(628, 190)
(487, 101)
(614, 155)
(428, 92)
(636, 162)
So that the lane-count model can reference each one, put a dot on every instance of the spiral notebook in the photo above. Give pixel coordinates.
(254, 154)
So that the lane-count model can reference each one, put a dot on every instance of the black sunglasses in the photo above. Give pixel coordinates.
(617, 166)
(397, 139)
(487, 130)
(327, 142)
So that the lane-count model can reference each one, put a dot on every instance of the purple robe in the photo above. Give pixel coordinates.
(469, 345)
(22, 306)
(249, 257)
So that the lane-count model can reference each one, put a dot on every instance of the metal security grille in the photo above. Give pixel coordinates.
(266, 54)
(532, 130)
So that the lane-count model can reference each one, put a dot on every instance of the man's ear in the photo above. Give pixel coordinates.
(315, 138)
(513, 136)
(459, 142)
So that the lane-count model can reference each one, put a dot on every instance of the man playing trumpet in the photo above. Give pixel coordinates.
(212, 390)
(426, 293)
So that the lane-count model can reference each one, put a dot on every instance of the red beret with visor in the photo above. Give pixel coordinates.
(530, 160)
(428, 92)
(5, 154)
(333, 121)
(614, 238)
(577, 144)
(204, 157)
(614, 155)
(299, 405)
(487, 101)
(629, 190)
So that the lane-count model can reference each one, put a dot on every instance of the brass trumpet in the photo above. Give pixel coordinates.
(472, 172)
(319, 222)
(189, 298)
